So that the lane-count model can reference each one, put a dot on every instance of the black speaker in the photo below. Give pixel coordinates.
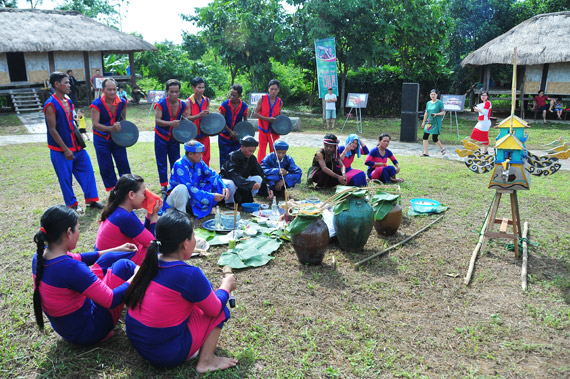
(410, 96)
(409, 127)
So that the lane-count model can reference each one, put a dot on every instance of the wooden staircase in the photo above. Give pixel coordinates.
(26, 100)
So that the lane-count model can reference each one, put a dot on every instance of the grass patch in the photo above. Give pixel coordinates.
(407, 314)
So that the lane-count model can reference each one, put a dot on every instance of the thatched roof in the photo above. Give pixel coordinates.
(35, 30)
(541, 39)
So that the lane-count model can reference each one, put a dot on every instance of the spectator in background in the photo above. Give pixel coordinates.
(96, 91)
(73, 85)
(539, 104)
(330, 100)
(122, 93)
(137, 94)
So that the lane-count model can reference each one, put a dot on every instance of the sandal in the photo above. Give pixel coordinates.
(443, 152)
(424, 155)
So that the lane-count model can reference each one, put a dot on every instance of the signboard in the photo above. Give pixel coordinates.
(98, 82)
(254, 97)
(325, 54)
(154, 96)
(357, 100)
(455, 103)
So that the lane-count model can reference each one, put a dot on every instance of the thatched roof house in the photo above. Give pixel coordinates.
(543, 53)
(34, 43)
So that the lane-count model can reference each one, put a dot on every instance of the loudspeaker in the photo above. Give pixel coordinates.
(409, 127)
(410, 96)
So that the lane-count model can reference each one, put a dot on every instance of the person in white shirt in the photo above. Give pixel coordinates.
(330, 99)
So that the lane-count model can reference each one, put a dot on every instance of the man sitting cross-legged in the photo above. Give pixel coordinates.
(243, 175)
(192, 180)
(278, 166)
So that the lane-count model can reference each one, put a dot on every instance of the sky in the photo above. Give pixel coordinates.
(157, 21)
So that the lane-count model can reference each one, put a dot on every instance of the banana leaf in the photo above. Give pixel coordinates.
(301, 223)
(253, 252)
(342, 200)
(209, 235)
(382, 203)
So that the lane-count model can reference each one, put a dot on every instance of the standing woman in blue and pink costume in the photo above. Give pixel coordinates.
(106, 113)
(354, 147)
(168, 112)
(119, 222)
(173, 311)
(81, 307)
(377, 162)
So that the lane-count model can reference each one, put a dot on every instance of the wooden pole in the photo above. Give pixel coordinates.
(480, 243)
(399, 243)
(525, 257)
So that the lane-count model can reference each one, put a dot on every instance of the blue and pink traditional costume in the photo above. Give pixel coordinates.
(195, 182)
(165, 145)
(80, 166)
(195, 108)
(271, 167)
(178, 312)
(233, 116)
(125, 227)
(105, 147)
(266, 135)
(354, 177)
(383, 173)
(82, 307)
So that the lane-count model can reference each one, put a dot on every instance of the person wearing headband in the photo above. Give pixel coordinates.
(191, 180)
(279, 166)
(168, 112)
(327, 169)
(354, 147)
(243, 175)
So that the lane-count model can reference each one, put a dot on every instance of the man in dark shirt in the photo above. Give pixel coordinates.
(243, 175)
(73, 85)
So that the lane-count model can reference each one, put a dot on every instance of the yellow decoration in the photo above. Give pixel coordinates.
(509, 142)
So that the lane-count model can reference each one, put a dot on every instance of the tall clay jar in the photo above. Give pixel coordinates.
(389, 225)
(354, 225)
(310, 245)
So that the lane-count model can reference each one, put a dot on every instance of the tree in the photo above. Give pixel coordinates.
(193, 44)
(96, 8)
(242, 33)
(357, 26)
(8, 4)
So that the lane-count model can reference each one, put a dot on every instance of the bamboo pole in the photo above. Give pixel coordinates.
(524, 268)
(480, 243)
(399, 243)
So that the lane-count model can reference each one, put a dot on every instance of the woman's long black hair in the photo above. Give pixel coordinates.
(126, 184)
(55, 221)
(172, 228)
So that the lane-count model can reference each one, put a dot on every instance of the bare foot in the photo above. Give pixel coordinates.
(216, 363)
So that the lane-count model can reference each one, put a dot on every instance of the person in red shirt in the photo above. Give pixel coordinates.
(267, 108)
(197, 107)
(540, 104)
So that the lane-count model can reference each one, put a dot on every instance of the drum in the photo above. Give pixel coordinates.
(128, 136)
(212, 124)
(184, 132)
(244, 128)
(282, 125)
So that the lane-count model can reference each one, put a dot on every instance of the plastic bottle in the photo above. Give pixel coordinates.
(218, 218)
(274, 209)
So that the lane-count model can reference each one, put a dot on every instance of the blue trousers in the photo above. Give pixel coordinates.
(82, 169)
(226, 146)
(107, 151)
(164, 150)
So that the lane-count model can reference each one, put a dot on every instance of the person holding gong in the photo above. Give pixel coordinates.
(234, 110)
(197, 107)
(267, 108)
(168, 112)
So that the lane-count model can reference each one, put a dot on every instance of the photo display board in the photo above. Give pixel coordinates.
(455, 103)
(357, 100)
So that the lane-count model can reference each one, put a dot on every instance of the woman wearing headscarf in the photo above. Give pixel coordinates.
(354, 147)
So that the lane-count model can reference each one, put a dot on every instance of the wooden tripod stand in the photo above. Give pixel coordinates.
(490, 221)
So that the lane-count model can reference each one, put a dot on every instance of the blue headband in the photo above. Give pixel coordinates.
(197, 148)
(281, 145)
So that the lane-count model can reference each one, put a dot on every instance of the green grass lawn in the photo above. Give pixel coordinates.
(407, 314)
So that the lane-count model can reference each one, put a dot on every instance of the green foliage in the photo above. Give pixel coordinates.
(118, 64)
(194, 45)
(243, 35)
(103, 9)
(293, 84)
(8, 4)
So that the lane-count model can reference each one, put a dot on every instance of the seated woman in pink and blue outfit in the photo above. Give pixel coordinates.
(377, 162)
(82, 306)
(354, 147)
(120, 224)
(174, 313)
